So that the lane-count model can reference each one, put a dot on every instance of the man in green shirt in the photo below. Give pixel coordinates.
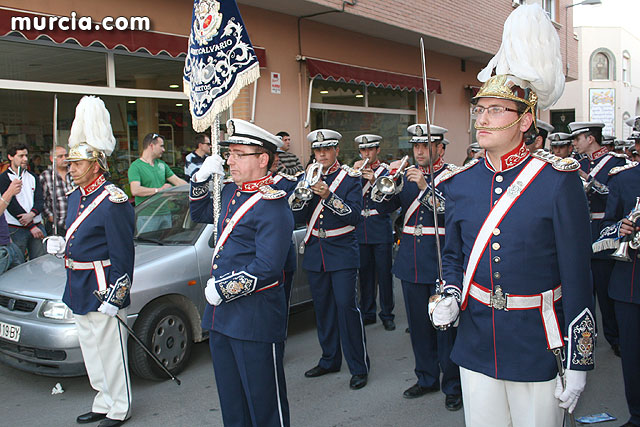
(149, 174)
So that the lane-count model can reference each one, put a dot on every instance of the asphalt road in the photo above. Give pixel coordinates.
(26, 399)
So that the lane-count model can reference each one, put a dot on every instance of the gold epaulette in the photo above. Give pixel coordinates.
(619, 169)
(618, 155)
(288, 177)
(351, 171)
(116, 194)
(451, 170)
(567, 164)
(270, 193)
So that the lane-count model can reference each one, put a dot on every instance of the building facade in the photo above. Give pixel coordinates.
(353, 66)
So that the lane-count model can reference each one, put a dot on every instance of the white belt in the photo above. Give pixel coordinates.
(91, 265)
(597, 215)
(544, 301)
(420, 230)
(321, 233)
(369, 212)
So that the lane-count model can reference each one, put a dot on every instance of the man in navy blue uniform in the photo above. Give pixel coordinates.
(374, 238)
(246, 312)
(99, 256)
(561, 144)
(517, 248)
(416, 264)
(331, 259)
(624, 284)
(598, 161)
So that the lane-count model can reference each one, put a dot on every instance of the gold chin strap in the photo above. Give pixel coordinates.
(475, 125)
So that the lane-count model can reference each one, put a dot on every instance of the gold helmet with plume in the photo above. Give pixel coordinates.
(91, 137)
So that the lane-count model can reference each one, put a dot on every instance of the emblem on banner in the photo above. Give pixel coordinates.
(207, 20)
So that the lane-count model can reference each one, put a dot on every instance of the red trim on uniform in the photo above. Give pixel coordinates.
(439, 164)
(375, 165)
(93, 186)
(334, 167)
(253, 186)
(598, 153)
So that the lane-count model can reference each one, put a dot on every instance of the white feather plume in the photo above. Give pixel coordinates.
(92, 125)
(530, 51)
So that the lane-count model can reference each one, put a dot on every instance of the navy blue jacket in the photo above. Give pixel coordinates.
(375, 227)
(342, 208)
(624, 187)
(287, 183)
(542, 242)
(416, 260)
(257, 246)
(105, 234)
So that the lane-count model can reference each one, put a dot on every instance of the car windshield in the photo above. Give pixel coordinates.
(164, 219)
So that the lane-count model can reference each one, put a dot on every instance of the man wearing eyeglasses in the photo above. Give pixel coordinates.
(194, 160)
(517, 248)
(246, 313)
(149, 174)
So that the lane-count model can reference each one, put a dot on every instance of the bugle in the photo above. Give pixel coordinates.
(311, 177)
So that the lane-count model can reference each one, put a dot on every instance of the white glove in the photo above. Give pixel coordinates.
(444, 311)
(55, 245)
(108, 309)
(211, 293)
(211, 165)
(576, 380)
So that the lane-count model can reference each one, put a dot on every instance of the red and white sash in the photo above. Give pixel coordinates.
(497, 214)
(235, 218)
(319, 207)
(92, 206)
(600, 165)
(414, 205)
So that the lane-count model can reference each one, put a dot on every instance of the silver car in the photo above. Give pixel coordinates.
(172, 266)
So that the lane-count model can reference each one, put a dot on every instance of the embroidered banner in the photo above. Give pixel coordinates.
(220, 60)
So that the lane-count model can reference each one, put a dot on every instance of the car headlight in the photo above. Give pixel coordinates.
(56, 310)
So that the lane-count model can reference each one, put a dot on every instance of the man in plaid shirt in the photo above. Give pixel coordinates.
(64, 183)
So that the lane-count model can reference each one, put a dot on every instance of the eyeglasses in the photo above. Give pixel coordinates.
(492, 110)
(227, 155)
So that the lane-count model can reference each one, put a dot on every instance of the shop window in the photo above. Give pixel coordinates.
(52, 64)
(389, 98)
(549, 6)
(141, 72)
(338, 93)
(602, 65)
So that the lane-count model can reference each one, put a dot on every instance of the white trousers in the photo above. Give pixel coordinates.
(489, 402)
(104, 348)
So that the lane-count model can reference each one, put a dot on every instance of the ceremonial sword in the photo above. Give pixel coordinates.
(140, 343)
(54, 172)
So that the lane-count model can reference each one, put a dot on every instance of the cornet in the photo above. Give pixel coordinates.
(631, 241)
(363, 165)
(311, 177)
(388, 185)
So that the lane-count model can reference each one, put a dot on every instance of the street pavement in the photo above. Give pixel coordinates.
(26, 399)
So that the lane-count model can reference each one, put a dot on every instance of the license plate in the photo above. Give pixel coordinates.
(9, 332)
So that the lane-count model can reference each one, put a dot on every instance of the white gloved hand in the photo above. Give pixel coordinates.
(55, 245)
(108, 309)
(444, 311)
(211, 165)
(576, 381)
(211, 293)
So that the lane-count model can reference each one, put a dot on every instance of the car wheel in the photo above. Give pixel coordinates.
(166, 331)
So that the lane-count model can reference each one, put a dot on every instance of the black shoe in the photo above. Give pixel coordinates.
(358, 381)
(616, 350)
(90, 417)
(389, 325)
(406, 331)
(369, 321)
(108, 422)
(319, 371)
(453, 402)
(417, 390)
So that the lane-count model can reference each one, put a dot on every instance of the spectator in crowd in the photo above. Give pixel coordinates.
(64, 184)
(10, 254)
(194, 160)
(23, 214)
(289, 162)
(35, 165)
(149, 174)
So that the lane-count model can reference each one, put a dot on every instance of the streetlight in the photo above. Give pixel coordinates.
(566, 26)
